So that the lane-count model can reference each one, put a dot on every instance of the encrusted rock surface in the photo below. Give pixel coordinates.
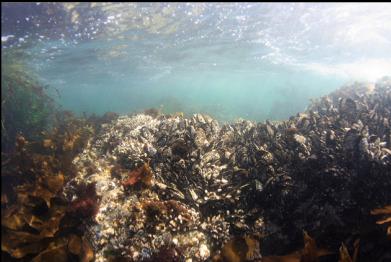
(320, 171)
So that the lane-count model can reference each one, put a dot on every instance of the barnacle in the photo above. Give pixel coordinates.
(193, 168)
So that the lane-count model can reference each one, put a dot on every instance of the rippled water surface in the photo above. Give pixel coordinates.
(251, 60)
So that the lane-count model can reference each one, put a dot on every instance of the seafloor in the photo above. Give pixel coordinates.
(153, 187)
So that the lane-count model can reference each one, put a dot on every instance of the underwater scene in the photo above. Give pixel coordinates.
(186, 132)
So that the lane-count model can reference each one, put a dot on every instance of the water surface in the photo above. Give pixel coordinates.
(251, 60)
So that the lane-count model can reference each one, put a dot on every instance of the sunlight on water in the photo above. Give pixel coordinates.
(256, 60)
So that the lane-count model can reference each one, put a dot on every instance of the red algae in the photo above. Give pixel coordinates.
(86, 206)
(142, 175)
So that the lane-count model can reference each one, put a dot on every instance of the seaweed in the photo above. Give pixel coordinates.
(86, 206)
(167, 253)
(387, 220)
(153, 112)
(177, 209)
(240, 249)
(344, 253)
(161, 211)
(35, 224)
(26, 108)
(141, 175)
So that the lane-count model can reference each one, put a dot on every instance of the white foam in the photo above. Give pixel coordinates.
(5, 38)
(364, 69)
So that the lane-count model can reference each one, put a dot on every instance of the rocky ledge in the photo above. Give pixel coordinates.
(178, 188)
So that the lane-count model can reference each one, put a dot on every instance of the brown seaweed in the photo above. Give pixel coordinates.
(167, 253)
(387, 220)
(159, 210)
(153, 112)
(86, 205)
(33, 208)
(239, 249)
(141, 175)
(344, 253)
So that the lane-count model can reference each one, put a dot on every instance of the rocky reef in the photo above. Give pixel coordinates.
(172, 188)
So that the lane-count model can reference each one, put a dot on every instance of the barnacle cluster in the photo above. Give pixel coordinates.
(186, 185)
(154, 187)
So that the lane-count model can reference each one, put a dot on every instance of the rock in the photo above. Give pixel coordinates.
(242, 177)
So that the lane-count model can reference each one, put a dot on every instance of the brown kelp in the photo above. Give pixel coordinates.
(344, 255)
(386, 211)
(38, 223)
(247, 248)
(239, 249)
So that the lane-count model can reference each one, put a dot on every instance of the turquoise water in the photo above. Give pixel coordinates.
(223, 87)
(255, 61)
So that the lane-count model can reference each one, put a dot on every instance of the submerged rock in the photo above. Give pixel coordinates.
(209, 182)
